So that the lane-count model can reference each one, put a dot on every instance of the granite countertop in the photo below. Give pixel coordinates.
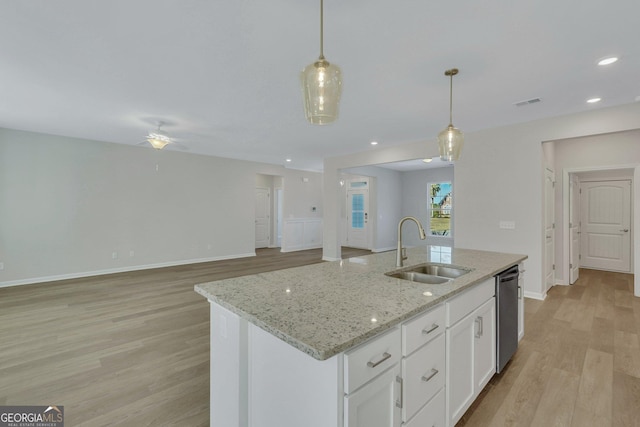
(324, 309)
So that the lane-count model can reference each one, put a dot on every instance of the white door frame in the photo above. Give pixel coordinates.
(635, 223)
(574, 225)
(549, 232)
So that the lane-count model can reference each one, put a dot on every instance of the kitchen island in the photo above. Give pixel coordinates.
(284, 343)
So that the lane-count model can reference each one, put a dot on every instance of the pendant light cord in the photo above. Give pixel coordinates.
(321, 29)
(451, 101)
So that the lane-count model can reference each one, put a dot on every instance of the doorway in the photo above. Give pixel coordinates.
(575, 208)
(262, 221)
(269, 196)
(358, 213)
(605, 242)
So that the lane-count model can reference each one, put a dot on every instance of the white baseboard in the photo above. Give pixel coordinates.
(34, 280)
(535, 295)
(328, 258)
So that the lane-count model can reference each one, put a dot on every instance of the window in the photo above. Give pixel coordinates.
(357, 211)
(440, 208)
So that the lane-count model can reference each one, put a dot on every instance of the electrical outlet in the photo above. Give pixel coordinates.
(114, 255)
(131, 253)
(508, 225)
(1, 265)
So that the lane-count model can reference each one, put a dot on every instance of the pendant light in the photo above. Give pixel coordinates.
(450, 139)
(321, 86)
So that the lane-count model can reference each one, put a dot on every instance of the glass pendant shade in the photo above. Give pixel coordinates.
(451, 141)
(322, 88)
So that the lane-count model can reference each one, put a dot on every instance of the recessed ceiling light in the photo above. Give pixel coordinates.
(288, 160)
(374, 142)
(594, 100)
(608, 60)
(427, 160)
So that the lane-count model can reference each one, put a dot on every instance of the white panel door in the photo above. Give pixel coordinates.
(574, 229)
(263, 206)
(606, 225)
(358, 217)
(374, 405)
(549, 229)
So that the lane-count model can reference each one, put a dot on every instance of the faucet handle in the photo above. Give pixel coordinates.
(403, 253)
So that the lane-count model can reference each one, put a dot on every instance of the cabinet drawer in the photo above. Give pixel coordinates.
(423, 375)
(370, 359)
(422, 329)
(432, 415)
(463, 304)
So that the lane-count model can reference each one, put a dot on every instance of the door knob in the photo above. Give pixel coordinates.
(626, 230)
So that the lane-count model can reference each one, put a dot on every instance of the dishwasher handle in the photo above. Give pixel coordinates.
(509, 275)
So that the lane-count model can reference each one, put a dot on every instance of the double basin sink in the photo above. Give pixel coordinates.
(433, 274)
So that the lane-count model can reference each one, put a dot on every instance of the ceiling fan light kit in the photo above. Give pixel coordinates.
(321, 85)
(158, 139)
(451, 139)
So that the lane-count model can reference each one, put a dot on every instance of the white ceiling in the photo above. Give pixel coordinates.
(224, 75)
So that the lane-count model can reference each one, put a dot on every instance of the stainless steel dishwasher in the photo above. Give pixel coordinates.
(507, 316)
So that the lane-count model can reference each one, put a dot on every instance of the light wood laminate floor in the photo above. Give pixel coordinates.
(127, 349)
(578, 364)
(132, 349)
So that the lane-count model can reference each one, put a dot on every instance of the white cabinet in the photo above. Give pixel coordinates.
(375, 404)
(484, 352)
(471, 347)
(372, 383)
(432, 415)
(460, 379)
(423, 366)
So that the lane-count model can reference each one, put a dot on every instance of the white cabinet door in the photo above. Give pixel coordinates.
(460, 377)
(374, 405)
(432, 414)
(484, 351)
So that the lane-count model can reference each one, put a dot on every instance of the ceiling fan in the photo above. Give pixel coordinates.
(159, 138)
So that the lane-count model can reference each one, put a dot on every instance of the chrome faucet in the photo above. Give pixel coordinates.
(401, 253)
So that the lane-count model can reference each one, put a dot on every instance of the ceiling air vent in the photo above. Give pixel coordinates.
(527, 102)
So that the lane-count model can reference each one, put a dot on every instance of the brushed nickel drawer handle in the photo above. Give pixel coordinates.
(433, 328)
(385, 356)
(426, 378)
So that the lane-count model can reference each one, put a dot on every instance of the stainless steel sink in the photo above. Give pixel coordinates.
(434, 274)
(419, 277)
(439, 270)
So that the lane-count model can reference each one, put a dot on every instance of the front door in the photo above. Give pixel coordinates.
(606, 225)
(263, 205)
(358, 214)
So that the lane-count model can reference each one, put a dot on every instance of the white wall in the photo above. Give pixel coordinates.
(66, 205)
(608, 153)
(415, 202)
(499, 177)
